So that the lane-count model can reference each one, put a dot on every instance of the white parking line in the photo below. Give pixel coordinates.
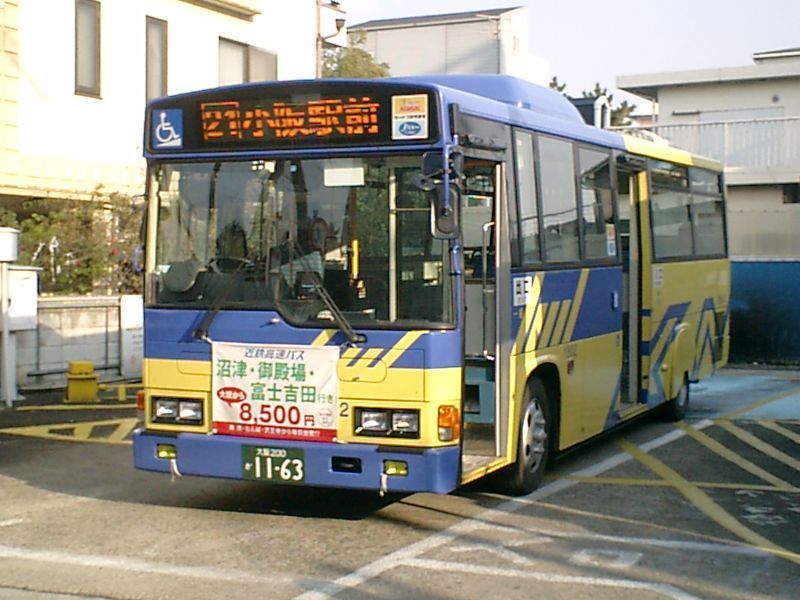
(139, 566)
(659, 588)
(412, 552)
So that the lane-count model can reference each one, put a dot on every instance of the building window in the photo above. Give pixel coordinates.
(156, 58)
(87, 47)
(240, 63)
(791, 193)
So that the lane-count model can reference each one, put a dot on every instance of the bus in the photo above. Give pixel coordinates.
(409, 284)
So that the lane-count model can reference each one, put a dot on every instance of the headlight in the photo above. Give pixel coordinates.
(190, 410)
(165, 410)
(405, 422)
(387, 423)
(374, 421)
(178, 411)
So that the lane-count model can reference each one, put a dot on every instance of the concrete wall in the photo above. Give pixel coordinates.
(760, 224)
(54, 142)
(769, 98)
(70, 328)
(490, 45)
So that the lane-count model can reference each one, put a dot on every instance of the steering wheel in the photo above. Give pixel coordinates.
(228, 264)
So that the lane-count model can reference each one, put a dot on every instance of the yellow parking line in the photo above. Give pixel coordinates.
(784, 488)
(703, 502)
(760, 403)
(731, 456)
(759, 444)
(772, 425)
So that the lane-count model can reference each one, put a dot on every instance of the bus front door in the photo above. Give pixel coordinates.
(487, 285)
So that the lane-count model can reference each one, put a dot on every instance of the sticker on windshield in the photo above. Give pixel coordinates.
(275, 391)
(410, 117)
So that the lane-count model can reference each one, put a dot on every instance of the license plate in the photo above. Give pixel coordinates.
(271, 463)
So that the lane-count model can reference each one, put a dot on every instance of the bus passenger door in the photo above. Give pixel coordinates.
(485, 248)
(627, 211)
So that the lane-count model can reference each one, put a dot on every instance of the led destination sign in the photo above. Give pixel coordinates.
(254, 120)
(303, 115)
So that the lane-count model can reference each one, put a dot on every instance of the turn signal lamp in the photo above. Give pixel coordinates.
(166, 451)
(449, 423)
(140, 400)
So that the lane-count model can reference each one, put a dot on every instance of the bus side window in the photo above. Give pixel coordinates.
(528, 207)
(559, 200)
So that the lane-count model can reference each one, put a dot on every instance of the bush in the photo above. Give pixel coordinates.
(82, 247)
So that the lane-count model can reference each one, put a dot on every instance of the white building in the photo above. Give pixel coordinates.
(486, 41)
(75, 76)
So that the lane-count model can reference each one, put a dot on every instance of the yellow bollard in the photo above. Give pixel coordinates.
(81, 382)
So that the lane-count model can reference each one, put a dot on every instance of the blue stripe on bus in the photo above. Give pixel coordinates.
(678, 313)
(598, 313)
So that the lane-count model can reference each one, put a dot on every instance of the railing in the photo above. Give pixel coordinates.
(757, 144)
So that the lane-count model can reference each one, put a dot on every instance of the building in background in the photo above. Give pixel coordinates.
(749, 119)
(75, 76)
(486, 41)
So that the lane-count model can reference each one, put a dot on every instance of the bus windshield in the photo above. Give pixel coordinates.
(268, 234)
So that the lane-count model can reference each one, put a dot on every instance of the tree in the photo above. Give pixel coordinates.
(620, 113)
(81, 246)
(557, 86)
(352, 62)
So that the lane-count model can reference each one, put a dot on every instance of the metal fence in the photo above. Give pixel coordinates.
(757, 143)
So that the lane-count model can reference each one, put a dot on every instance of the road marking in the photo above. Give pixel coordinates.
(10, 522)
(438, 539)
(759, 444)
(135, 565)
(441, 565)
(606, 558)
(773, 426)
(79, 432)
(745, 409)
(703, 502)
(782, 488)
(59, 407)
(731, 456)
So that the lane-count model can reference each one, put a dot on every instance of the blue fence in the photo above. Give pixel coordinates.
(765, 312)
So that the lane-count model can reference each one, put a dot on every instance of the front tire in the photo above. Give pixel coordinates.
(534, 440)
(676, 409)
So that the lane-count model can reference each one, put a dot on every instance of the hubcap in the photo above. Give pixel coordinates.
(534, 435)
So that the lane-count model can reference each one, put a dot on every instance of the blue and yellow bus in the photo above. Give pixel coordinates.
(409, 284)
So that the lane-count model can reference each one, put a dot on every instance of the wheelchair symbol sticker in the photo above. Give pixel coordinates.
(168, 129)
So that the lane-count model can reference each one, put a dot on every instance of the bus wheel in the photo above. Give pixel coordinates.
(533, 443)
(676, 409)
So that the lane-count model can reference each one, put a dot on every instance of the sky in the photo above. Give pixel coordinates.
(588, 41)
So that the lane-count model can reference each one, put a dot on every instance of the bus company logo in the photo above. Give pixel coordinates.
(231, 395)
(409, 128)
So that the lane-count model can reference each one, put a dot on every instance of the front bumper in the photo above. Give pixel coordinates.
(434, 470)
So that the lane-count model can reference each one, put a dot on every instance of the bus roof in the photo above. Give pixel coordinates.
(515, 101)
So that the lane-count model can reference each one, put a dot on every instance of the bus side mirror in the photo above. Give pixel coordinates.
(445, 198)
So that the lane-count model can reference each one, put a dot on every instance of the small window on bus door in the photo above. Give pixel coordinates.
(559, 205)
(671, 211)
(597, 204)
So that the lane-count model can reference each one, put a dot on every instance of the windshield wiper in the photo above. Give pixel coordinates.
(319, 289)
